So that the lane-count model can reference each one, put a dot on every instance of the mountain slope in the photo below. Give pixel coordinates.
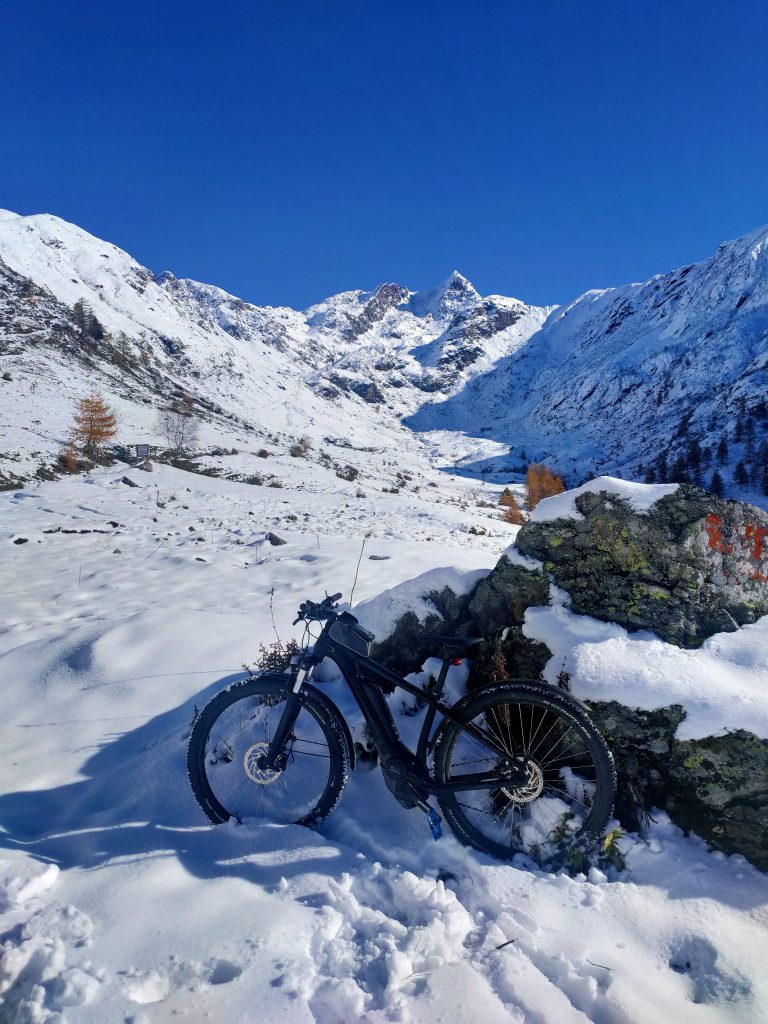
(648, 380)
(349, 366)
(620, 375)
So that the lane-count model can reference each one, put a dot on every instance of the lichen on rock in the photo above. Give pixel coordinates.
(689, 567)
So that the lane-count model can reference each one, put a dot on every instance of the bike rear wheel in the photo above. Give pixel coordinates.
(570, 780)
(230, 737)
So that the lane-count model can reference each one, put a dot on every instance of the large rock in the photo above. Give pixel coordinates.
(718, 786)
(494, 611)
(691, 566)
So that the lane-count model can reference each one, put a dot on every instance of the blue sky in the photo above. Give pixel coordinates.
(289, 150)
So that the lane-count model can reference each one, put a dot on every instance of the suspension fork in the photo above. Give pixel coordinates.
(287, 719)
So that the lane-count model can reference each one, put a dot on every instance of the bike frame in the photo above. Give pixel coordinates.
(359, 671)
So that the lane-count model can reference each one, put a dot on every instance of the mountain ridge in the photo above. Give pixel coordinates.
(600, 384)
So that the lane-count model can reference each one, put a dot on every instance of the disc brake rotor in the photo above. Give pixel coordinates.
(253, 755)
(530, 789)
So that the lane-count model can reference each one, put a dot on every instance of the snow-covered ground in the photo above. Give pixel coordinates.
(118, 902)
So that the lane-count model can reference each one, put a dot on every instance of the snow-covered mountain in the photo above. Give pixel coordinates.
(647, 380)
(621, 376)
(349, 366)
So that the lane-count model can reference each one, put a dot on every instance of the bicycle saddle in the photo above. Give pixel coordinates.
(453, 643)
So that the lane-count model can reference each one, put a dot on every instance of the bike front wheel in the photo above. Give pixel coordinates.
(569, 783)
(230, 737)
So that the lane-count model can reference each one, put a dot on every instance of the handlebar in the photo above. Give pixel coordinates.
(317, 611)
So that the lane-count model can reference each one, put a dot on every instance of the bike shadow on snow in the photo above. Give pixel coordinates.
(135, 803)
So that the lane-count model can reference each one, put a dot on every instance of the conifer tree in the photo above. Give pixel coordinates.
(512, 513)
(716, 485)
(678, 474)
(87, 323)
(95, 423)
(541, 482)
(694, 456)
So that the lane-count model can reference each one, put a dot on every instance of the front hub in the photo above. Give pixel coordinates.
(255, 764)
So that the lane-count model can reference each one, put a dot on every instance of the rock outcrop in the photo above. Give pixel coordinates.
(690, 566)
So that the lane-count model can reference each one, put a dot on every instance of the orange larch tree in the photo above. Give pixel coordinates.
(541, 482)
(512, 513)
(95, 424)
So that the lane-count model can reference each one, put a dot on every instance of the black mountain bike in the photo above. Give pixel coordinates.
(516, 766)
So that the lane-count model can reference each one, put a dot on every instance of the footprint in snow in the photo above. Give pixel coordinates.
(696, 957)
(153, 986)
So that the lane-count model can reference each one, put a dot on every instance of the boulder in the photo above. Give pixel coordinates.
(685, 566)
(691, 566)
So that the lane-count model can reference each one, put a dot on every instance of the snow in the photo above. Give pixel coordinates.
(641, 498)
(723, 685)
(119, 902)
(606, 382)
(125, 608)
(380, 613)
(514, 555)
(255, 371)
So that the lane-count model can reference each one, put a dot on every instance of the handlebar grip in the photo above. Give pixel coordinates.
(332, 599)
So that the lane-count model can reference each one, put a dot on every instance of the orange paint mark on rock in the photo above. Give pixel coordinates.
(716, 539)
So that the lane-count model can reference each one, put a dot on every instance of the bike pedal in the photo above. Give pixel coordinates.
(434, 819)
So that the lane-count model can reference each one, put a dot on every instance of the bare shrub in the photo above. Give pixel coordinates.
(179, 426)
(276, 657)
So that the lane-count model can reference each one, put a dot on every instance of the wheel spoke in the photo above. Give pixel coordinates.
(560, 752)
(309, 781)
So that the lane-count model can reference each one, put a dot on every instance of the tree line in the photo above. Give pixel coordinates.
(738, 455)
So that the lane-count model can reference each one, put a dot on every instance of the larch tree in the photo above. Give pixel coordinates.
(95, 423)
(511, 513)
(541, 482)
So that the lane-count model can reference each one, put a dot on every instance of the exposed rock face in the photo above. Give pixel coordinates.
(692, 566)
(687, 569)
(719, 788)
(497, 605)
